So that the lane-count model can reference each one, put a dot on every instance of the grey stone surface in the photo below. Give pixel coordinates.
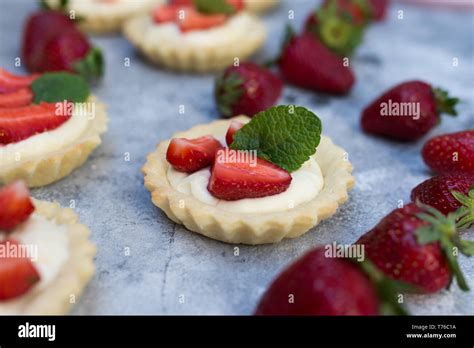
(167, 264)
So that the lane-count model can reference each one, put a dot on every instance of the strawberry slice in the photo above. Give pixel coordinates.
(20, 97)
(190, 155)
(17, 274)
(16, 205)
(234, 127)
(193, 20)
(167, 13)
(20, 123)
(233, 180)
(10, 82)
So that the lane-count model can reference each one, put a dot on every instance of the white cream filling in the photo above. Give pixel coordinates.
(307, 182)
(45, 142)
(235, 28)
(96, 7)
(48, 245)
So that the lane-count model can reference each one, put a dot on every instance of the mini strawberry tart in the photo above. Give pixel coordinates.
(46, 258)
(49, 125)
(103, 16)
(277, 178)
(200, 35)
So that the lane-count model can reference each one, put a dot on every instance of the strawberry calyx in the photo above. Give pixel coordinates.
(386, 288)
(466, 212)
(338, 29)
(61, 5)
(444, 103)
(443, 229)
(228, 91)
(91, 65)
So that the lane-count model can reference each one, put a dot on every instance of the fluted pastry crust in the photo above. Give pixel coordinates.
(256, 228)
(200, 55)
(59, 296)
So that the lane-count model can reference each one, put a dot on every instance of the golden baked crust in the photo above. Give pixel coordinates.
(57, 297)
(97, 21)
(247, 228)
(194, 55)
(48, 168)
(259, 6)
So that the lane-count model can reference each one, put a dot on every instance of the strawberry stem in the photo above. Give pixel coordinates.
(444, 103)
(467, 210)
(387, 289)
(228, 90)
(90, 66)
(443, 229)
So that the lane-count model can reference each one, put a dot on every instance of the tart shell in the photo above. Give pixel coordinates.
(245, 228)
(55, 299)
(194, 57)
(100, 22)
(260, 6)
(48, 168)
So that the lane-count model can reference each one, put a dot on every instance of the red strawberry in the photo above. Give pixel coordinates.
(168, 13)
(63, 50)
(234, 127)
(378, 9)
(233, 179)
(23, 122)
(16, 205)
(39, 28)
(307, 63)
(320, 285)
(450, 153)
(416, 246)
(20, 97)
(51, 42)
(17, 274)
(10, 83)
(438, 192)
(190, 155)
(246, 90)
(407, 111)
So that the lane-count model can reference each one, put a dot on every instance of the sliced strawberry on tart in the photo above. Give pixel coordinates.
(198, 35)
(277, 178)
(49, 125)
(45, 255)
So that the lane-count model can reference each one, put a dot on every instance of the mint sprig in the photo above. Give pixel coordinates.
(59, 86)
(214, 7)
(285, 135)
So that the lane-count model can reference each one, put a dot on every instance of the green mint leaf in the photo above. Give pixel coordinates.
(285, 135)
(60, 86)
(214, 6)
(92, 65)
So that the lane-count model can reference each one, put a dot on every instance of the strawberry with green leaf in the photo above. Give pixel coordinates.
(418, 245)
(246, 89)
(340, 24)
(51, 42)
(37, 111)
(449, 193)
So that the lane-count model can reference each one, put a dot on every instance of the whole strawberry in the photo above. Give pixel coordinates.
(320, 285)
(450, 153)
(308, 63)
(417, 246)
(246, 90)
(378, 9)
(407, 111)
(448, 193)
(51, 42)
